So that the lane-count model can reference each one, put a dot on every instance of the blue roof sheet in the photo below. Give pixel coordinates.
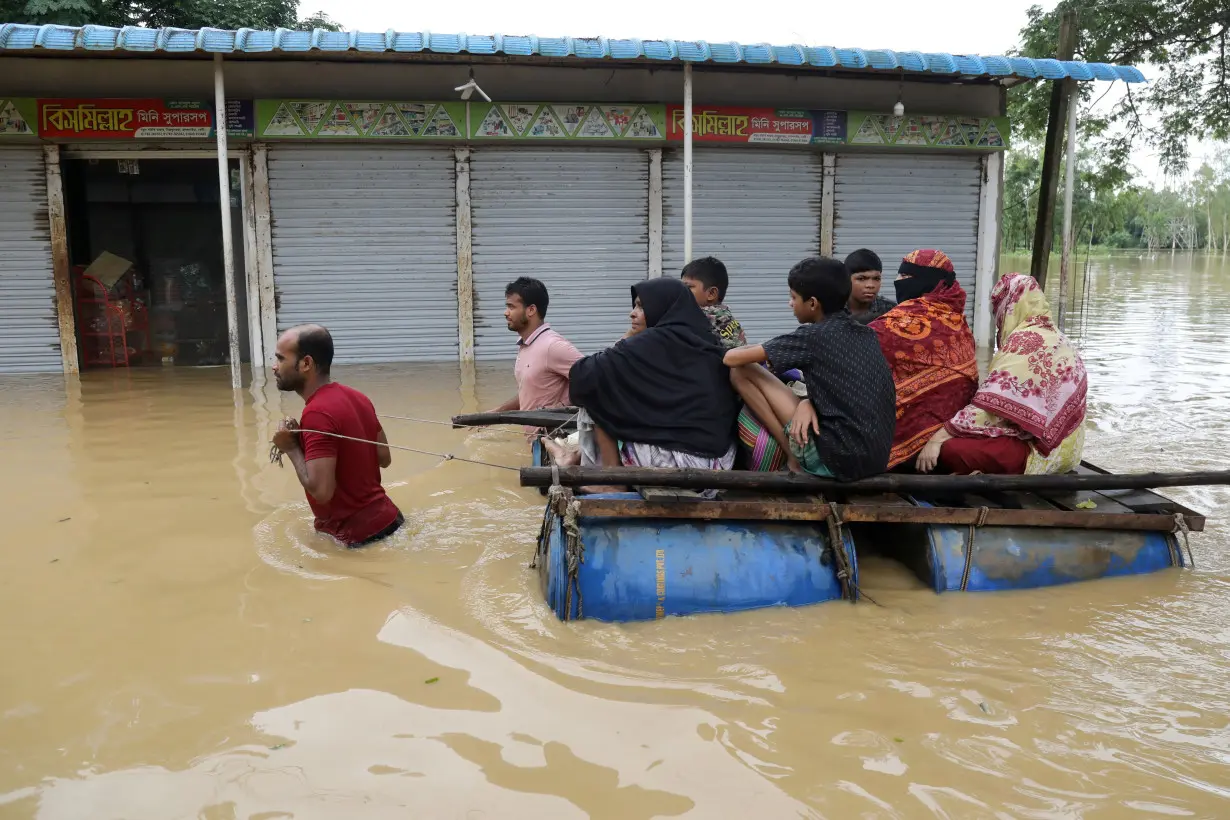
(17, 37)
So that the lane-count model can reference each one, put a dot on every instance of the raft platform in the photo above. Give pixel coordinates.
(642, 555)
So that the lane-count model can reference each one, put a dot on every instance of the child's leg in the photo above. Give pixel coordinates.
(772, 402)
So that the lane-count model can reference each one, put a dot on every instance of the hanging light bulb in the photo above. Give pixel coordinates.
(899, 109)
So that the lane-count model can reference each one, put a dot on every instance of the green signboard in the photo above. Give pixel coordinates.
(18, 118)
(598, 122)
(346, 119)
(393, 120)
(568, 121)
(927, 131)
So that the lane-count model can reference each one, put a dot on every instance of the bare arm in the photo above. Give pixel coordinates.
(512, 404)
(318, 476)
(750, 354)
(383, 453)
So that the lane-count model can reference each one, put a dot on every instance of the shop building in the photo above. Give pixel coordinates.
(365, 195)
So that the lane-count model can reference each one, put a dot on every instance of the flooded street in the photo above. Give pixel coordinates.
(179, 643)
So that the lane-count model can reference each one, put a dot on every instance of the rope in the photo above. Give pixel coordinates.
(969, 546)
(275, 455)
(1180, 527)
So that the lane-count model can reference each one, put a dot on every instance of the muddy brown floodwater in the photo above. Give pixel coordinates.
(178, 643)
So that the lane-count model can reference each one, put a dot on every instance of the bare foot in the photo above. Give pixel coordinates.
(561, 454)
(793, 465)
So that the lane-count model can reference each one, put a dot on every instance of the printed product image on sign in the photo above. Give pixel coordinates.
(337, 124)
(571, 117)
(950, 136)
(991, 138)
(868, 133)
(283, 124)
(441, 125)
(12, 123)
(546, 126)
(364, 114)
(891, 127)
(389, 125)
(642, 126)
(594, 126)
(971, 128)
(415, 115)
(619, 117)
(520, 116)
(310, 114)
(911, 132)
(494, 125)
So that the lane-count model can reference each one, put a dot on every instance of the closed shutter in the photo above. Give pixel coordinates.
(896, 203)
(364, 243)
(758, 211)
(575, 218)
(29, 327)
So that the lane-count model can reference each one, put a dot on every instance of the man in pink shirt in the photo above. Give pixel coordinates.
(543, 356)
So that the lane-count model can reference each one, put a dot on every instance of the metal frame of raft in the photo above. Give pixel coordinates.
(653, 553)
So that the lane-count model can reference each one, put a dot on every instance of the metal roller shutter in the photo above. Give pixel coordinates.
(576, 218)
(29, 327)
(896, 203)
(364, 242)
(757, 210)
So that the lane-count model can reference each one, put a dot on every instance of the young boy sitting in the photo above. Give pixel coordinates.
(844, 428)
(866, 276)
(707, 280)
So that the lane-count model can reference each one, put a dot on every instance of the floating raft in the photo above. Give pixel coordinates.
(642, 555)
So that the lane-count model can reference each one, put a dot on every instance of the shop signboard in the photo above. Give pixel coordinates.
(411, 120)
(929, 131)
(18, 117)
(727, 124)
(140, 119)
(583, 122)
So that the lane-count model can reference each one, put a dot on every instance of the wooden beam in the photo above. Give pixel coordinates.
(1044, 228)
(59, 259)
(528, 418)
(886, 483)
(878, 514)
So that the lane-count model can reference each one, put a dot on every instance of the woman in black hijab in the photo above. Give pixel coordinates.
(664, 391)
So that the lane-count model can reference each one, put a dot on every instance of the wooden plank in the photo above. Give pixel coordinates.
(1143, 500)
(873, 513)
(666, 496)
(924, 485)
(60, 268)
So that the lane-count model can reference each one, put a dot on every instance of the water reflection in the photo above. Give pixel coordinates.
(182, 644)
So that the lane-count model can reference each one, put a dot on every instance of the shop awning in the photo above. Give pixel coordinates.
(320, 44)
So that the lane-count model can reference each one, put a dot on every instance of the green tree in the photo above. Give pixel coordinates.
(1186, 43)
(226, 14)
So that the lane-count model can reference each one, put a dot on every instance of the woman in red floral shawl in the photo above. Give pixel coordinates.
(930, 348)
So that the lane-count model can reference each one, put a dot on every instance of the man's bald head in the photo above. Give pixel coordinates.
(313, 341)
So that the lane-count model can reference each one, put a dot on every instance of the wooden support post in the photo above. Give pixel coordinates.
(655, 212)
(264, 249)
(987, 264)
(228, 244)
(1044, 228)
(251, 271)
(465, 260)
(59, 259)
(827, 204)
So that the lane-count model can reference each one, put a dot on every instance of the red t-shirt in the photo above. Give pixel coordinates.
(359, 508)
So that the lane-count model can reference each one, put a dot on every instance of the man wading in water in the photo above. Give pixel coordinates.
(341, 478)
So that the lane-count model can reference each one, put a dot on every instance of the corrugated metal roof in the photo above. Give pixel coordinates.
(16, 37)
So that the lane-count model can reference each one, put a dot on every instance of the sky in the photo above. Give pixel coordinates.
(954, 26)
(957, 26)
